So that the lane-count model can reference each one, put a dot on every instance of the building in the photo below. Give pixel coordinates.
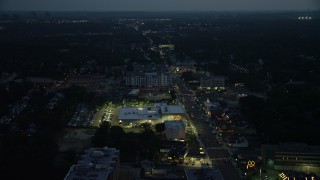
(203, 173)
(96, 163)
(208, 81)
(151, 114)
(186, 64)
(148, 76)
(212, 108)
(237, 142)
(175, 130)
(292, 157)
(219, 82)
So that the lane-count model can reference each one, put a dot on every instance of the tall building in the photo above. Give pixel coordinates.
(148, 76)
(96, 163)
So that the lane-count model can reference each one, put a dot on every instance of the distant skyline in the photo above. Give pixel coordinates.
(158, 5)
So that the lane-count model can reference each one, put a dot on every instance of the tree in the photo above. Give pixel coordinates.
(102, 137)
(160, 127)
(116, 136)
(251, 107)
(150, 143)
(173, 95)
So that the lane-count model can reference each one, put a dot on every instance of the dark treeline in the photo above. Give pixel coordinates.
(285, 116)
(29, 146)
(134, 147)
(52, 49)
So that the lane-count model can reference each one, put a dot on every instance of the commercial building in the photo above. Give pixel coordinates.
(151, 114)
(96, 163)
(212, 108)
(208, 81)
(175, 130)
(292, 157)
(148, 76)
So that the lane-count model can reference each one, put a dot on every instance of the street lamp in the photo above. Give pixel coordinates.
(260, 173)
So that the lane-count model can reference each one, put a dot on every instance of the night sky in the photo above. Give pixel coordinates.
(159, 5)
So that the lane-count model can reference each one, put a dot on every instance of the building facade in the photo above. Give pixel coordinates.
(148, 76)
(219, 82)
(208, 81)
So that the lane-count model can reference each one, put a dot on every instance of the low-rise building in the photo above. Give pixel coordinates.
(175, 130)
(212, 108)
(151, 114)
(292, 157)
(96, 163)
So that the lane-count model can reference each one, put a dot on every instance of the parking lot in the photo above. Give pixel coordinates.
(106, 113)
(82, 117)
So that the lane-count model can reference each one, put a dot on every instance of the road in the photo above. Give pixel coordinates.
(219, 155)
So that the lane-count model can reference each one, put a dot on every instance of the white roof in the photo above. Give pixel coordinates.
(171, 109)
(129, 113)
(152, 112)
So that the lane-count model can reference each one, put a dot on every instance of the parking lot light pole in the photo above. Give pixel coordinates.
(260, 173)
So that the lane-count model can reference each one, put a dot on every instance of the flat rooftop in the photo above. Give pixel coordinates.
(96, 163)
(151, 112)
(174, 124)
(171, 109)
(136, 113)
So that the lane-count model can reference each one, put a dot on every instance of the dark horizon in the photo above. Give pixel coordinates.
(163, 5)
